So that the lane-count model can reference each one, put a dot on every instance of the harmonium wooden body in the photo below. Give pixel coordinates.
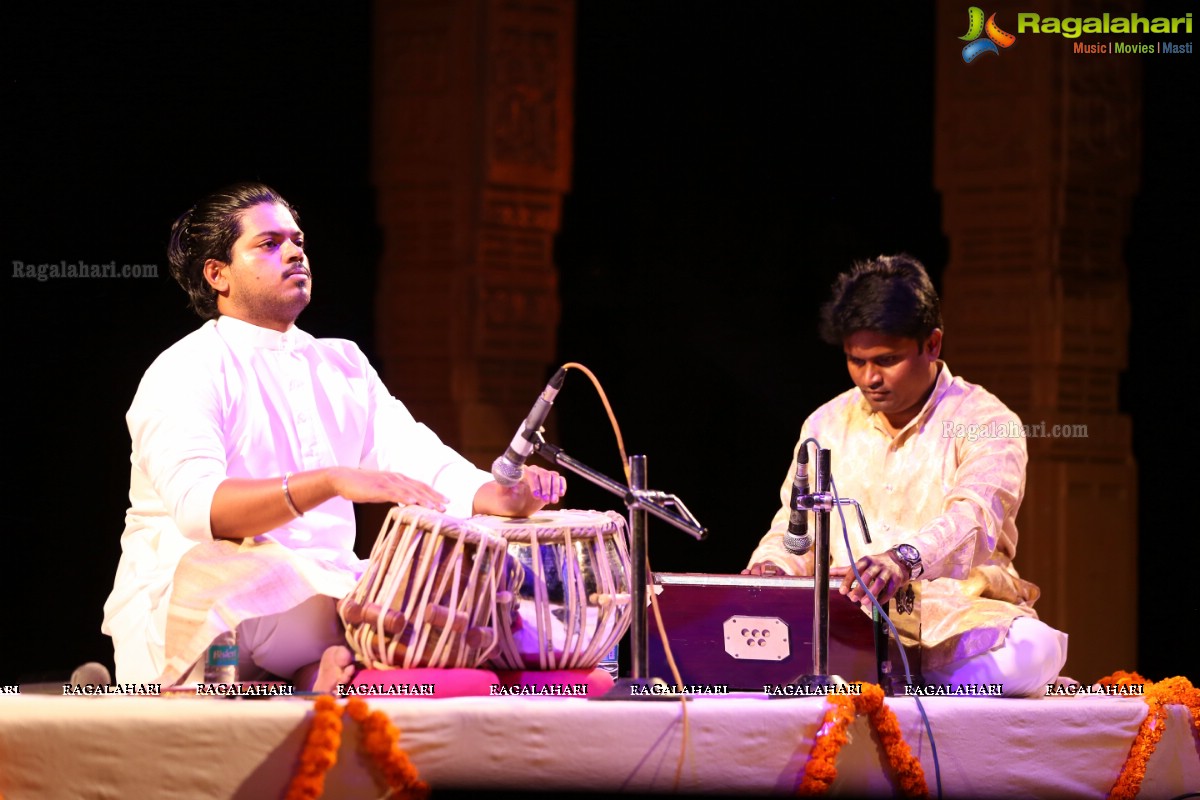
(749, 632)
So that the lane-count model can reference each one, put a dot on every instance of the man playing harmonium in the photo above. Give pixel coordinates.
(941, 506)
(251, 429)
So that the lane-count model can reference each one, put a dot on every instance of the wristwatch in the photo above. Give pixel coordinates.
(910, 557)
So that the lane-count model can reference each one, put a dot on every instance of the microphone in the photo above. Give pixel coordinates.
(509, 468)
(91, 673)
(798, 540)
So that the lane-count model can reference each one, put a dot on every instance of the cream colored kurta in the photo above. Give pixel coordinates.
(949, 483)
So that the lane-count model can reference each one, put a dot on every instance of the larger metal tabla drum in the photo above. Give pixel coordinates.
(572, 601)
(429, 595)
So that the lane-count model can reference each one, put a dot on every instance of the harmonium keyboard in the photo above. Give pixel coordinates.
(749, 632)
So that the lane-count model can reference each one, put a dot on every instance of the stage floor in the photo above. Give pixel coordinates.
(741, 744)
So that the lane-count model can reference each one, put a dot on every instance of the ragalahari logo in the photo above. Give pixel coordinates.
(996, 38)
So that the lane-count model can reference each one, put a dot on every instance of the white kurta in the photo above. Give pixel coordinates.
(232, 400)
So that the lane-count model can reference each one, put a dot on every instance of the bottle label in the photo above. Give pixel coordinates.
(223, 655)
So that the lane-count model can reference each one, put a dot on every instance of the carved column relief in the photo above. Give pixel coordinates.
(472, 154)
(1037, 161)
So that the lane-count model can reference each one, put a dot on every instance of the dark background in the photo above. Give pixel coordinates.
(730, 159)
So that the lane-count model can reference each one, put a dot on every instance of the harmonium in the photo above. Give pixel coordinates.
(748, 632)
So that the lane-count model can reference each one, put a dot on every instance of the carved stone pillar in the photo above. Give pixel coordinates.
(472, 154)
(1037, 161)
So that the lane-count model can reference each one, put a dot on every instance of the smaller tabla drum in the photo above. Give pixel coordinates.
(429, 595)
(571, 599)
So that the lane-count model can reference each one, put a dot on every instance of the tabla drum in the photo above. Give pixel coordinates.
(429, 595)
(571, 602)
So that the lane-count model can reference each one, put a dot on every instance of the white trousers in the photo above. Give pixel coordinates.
(1031, 657)
(280, 644)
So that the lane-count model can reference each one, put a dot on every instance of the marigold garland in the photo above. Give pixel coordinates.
(1171, 691)
(380, 737)
(905, 766)
(1123, 678)
(821, 770)
(379, 741)
(319, 753)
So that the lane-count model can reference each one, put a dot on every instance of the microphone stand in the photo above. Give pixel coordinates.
(640, 503)
(820, 502)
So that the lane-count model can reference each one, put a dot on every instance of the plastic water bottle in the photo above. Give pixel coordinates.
(611, 663)
(221, 660)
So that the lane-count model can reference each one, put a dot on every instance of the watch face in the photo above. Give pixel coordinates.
(908, 553)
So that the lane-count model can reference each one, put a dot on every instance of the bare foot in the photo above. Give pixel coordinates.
(335, 667)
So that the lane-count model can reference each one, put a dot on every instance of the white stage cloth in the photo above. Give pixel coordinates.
(120, 747)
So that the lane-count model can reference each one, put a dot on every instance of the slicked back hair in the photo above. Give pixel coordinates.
(208, 230)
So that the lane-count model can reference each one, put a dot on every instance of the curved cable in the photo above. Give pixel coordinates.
(662, 631)
(937, 769)
(612, 418)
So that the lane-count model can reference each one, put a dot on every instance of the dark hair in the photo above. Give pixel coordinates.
(208, 230)
(890, 294)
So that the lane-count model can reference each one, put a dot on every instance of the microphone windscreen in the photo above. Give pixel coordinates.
(797, 545)
(93, 673)
(507, 473)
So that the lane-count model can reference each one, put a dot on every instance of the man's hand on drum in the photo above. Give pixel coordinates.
(244, 507)
(537, 488)
(371, 486)
(545, 485)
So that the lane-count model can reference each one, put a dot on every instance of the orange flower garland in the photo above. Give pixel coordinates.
(379, 741)
(1123, 678)
(380, 737)
(1172, 691)
(905, 766)
(821, 770)
(320, 751)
